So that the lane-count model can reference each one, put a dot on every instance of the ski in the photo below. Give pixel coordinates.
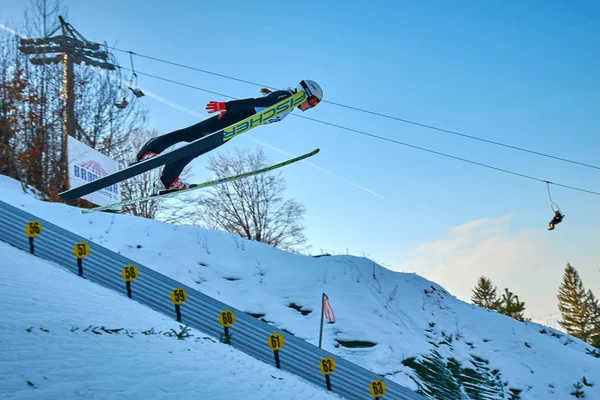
(201, 185)
(192, 148)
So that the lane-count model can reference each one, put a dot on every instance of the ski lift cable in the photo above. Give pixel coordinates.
(387, 139)
(192, 68)
(450, 156)
(184, 84)
(492, 142)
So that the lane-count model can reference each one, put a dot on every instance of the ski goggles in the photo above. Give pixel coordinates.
(312, 99)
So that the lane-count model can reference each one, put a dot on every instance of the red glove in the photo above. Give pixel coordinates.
(215, 106)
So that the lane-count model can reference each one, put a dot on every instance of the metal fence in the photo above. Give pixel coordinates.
(201, 312)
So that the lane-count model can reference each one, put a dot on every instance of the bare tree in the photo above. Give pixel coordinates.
(253, 208)
(11, 95)
(100, 124)
(142, 184)
(40, 140)
(32, 136)
(169, 209)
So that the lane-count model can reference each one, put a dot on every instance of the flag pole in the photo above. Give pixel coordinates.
(322, 311)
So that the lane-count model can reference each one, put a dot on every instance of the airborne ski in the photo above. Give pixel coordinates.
(202, 185)
(194, 147)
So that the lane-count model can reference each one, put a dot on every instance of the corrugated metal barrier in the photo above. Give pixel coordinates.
(201, 312)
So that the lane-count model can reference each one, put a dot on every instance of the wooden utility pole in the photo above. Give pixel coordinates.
(69, 48)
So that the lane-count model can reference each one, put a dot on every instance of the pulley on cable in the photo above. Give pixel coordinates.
(558, 215)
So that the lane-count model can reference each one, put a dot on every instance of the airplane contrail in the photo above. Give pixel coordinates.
(172, 103)
(9, 30)
(325, 170)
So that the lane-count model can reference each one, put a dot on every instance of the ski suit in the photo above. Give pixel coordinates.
(237, 110)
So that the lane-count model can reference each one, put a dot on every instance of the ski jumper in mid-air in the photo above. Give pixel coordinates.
(230, 113)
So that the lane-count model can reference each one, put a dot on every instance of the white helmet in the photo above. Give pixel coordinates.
(312, 89)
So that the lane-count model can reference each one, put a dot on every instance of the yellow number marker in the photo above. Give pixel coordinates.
(377, 388)
(178, 296)
(327, 366)
(130, 273)
(81, 250)
(276, 342)
(33, 228)
(227, 318)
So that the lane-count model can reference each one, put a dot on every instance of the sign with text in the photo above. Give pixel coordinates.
(86, 165)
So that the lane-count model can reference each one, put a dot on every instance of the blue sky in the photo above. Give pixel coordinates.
(525, 74)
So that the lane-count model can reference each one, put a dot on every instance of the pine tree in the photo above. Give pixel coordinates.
(594, 314)
(511, 306)
(573, 305)
(484, 294)
(578, 393)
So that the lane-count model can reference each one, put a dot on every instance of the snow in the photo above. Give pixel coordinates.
(403, 315)
(56, 344)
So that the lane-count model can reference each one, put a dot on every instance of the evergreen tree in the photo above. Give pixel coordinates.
(578, 393)
(511, 306)
(484, 294)
(594, 312)
(573, 305)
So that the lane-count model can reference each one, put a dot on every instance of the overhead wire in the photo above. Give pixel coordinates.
(423, 125)
(389, 140)
(469, 136)
(449, 156)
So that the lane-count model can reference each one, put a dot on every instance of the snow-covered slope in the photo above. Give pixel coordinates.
(67, 338)
(396, 324)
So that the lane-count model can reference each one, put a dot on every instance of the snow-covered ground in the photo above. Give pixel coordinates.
(59, 341)
(392, 323)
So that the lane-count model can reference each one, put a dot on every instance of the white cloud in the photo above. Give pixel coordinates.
(519, 260)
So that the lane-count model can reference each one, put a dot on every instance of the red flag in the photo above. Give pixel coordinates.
(328, 310)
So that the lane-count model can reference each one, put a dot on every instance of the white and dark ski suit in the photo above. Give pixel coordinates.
(237, 110)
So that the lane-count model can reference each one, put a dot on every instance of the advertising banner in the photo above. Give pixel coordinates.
(86, 165)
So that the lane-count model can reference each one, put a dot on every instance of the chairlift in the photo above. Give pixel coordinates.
(137, 92)
(133, 86)
(558, 215)
(123, 103)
